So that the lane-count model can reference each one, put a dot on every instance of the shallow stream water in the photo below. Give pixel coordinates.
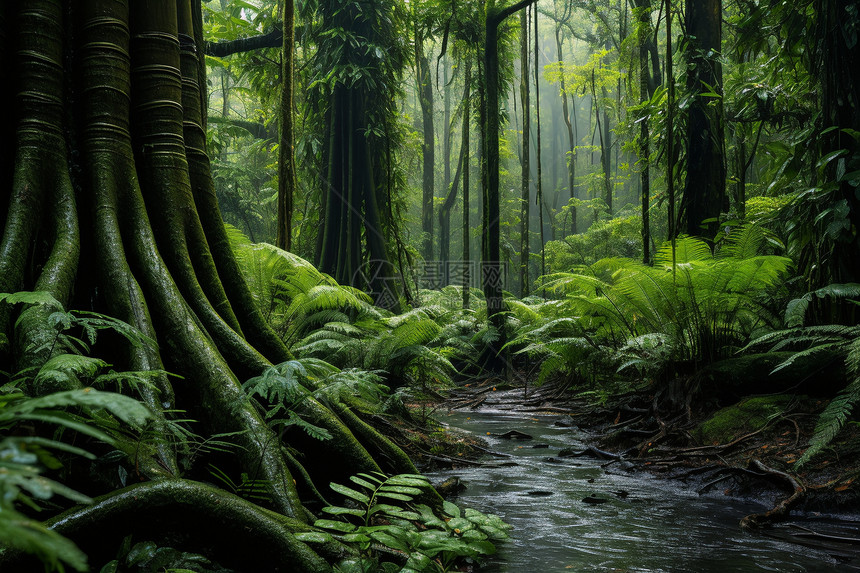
(645, 524)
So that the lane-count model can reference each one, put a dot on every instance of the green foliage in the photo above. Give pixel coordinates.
(815, 340)
(382, 510)
(23, 459)
(797, 310)
(318, 318)
(618, 237)
(149, 557)
(655, 319)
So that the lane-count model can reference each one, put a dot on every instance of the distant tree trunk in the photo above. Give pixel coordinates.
(492, 261)
(446, 126)
(286, 155)
(571, 158)
(525, 200)
(467, 120)
(644, 9)
(670, 134)
(605, 142)
(450, 200)
(425, 97)
(705, 189)
(539, 198)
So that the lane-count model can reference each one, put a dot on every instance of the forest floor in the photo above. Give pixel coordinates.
(746, 450)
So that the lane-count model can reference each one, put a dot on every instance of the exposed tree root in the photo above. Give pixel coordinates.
(231, 529)
(112, 89)
(780, 512)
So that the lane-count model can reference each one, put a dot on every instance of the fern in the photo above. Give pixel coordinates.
(795, 313)
(22, 460)
(844, 340)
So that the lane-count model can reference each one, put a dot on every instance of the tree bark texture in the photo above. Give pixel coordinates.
(428, 150)
(111, 207)
(492, 276)
(286, 154)
(705, 189)
(525, 200)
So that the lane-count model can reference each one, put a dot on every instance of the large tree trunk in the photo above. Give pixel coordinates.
(838, 21)
(154, 251)
(491, 264)
(705, 190)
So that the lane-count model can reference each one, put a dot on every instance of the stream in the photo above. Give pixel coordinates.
(641, 523)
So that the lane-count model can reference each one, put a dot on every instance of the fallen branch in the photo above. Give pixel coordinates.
(780, 512)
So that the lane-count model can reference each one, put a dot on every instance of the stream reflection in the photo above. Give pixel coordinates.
(639, 523)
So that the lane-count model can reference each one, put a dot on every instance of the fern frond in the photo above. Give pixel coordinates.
(832, 419)
(687, 250)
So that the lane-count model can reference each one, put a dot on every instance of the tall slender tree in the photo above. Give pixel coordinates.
(428, 149)
(525, 200)
(286, 154)
(491, 260)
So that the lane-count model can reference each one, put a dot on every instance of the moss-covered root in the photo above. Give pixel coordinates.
(395, 459)
(235, 531)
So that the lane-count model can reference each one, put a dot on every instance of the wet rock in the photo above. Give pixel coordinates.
(626, 466)
(594, 500)
(552, 460)
(540, 446)
(567, 453)
(451, 486)
(540, 493)
(513, 435)
(565, 422)
(620, 493)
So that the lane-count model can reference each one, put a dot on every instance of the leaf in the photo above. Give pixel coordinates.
(66, 369)
(126, 409)
(335, 510)
(35, 297)
(350, 493)
(450, 509)
(335, 525)
(313, 537)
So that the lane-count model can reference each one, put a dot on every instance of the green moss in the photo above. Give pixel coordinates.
(748, 415)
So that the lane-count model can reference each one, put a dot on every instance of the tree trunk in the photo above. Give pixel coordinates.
(838, 22)
(109, 91)
(467, 121)
(644, 8)
(425, 97)
(286, 155)
(705, 189)
(525, 201)
(491, 267)
(571, 141)
(539, 198)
